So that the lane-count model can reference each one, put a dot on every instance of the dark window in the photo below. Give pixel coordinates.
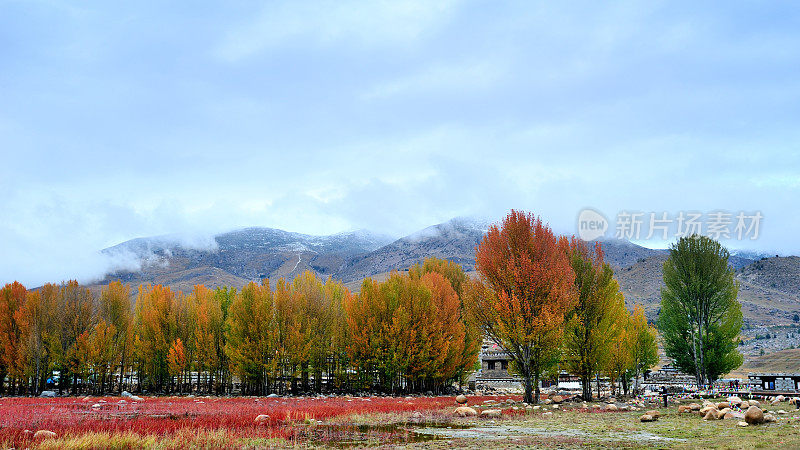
(504, 365)
(491, 365)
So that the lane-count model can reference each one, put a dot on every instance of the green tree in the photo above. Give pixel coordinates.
(700, 316)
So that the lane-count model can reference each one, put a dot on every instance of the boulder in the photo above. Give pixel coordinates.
(547, 401)
(465, 411)
(461, 399)
(647, 418)
(734, 400)
(684, 409)
(417, 415)
(724, 411)
(547, 414)
(694, 406)
(706, 409)
(612, 407)
(742, 424)
(97, 406)
(754, 402)
(780, 398)
(723, 405)
(780, 411)
(754, 415)
(711, 414)
(48, 394)
(654, 412)
(769, 418)
(493, 413)
(136, 398)
(261, 419)
(557, 399)
(126, 394)
(44, 434)
(733, 415)
(744, 405)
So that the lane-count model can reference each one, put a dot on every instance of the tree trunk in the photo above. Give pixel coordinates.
(528, 398)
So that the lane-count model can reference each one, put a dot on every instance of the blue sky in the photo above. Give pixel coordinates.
(120, 121)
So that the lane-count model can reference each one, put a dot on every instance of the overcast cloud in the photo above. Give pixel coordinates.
(126, 120)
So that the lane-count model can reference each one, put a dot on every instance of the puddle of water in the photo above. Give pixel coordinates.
(505, 432)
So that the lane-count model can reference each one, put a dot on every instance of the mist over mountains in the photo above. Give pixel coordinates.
(769, 291)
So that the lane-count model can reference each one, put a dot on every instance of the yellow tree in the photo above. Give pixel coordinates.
(116, 309)
(527, 292)
(251, 344)
(37, 321)
(207, 333)
(644, 349)
(12, 299)
(156, 329)
(619, 357)
(593, 322)
(77, 315)
(178, 362)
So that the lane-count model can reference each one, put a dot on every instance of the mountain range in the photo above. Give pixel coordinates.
(769, 290)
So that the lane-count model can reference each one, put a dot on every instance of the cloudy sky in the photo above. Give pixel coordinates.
(126, 120)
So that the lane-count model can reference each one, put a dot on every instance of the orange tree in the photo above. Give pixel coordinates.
(525, 293)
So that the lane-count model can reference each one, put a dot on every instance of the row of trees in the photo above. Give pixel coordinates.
(553, 304)
(408, 333)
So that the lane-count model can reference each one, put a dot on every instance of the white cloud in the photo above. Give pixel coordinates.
(369, 24)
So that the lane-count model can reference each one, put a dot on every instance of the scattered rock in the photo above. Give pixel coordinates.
(754, 415)
(44, 434)
(261, 419)
(754, 402)
(744, 405)
(461, 399)
(712, 414)
(492, 413)
(734, 400)
(96, 406)
(695, 406)
(654, 412)
(136, 398)
(48, 394)
(724, 411)
(547, 401)
(780, 411)
(612, 408)
(465, 411)
(723, 405)
(547, 414)
(769, 418)
(417, 415)
(742, 424)
(557, 399)
(536, 407)
(780, 398)
(733, 415)
(648, 418)
(684, 409)
(126, 394)
(706, 409)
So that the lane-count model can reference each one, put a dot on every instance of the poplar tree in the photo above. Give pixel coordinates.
(700, 316)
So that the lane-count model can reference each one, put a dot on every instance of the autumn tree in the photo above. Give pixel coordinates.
(700, 317)
(251, 343)
(469, 347)
(208, 334)
(595, 319)
(77, 315)
(528, 291)
(643, 346)
(116, 314)
(156, 330)
(12, 300)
